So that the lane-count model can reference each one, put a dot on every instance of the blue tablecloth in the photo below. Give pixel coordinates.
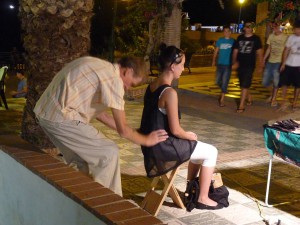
(283, 144)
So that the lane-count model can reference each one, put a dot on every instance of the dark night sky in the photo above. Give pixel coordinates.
(207, 12)
(10, 26)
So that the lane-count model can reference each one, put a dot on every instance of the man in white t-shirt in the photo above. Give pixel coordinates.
(291, 66)
(272, 59)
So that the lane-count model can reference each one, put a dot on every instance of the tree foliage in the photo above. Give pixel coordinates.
(281, 10)
(133, 29)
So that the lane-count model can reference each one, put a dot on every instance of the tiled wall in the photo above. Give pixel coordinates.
(100, 202)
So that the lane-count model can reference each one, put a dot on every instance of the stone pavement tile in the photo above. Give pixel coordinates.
(180, 180)
(263, 158)
(281, 166)
(229, 183)
(239, 214)
(207, 217)
(257, 223)
(291, 218)
(133, 158)
(245, 154)
(169, 208)
(285, 213)
(139, 165)
(224, 147)
(250, 193)
(287, 210)
(133, 185)
(174, 222)
(165, 216)
(238, 197)
(245, 179)
(243, 163)
(292, 182)
(133, 169)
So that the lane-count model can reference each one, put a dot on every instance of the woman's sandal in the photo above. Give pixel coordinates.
(240, 110)
(274, 104)
(249, 102)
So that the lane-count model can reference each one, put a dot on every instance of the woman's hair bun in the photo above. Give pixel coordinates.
(162, 46)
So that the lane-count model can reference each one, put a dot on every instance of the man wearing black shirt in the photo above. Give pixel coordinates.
(245, 49)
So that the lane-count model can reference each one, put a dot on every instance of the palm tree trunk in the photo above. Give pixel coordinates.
(54, 33)
(172, 31)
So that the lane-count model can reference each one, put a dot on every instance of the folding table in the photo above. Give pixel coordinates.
(283, 144)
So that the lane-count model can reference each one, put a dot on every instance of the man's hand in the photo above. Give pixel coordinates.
(282, 67)
(155, 137)
(235, 66)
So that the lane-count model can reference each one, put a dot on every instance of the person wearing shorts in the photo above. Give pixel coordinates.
(272, 58)
(291, 67)
(245, 50)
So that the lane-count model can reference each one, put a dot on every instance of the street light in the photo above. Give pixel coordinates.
(241, 3)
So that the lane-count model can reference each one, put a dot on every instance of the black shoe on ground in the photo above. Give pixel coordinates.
(200, 205)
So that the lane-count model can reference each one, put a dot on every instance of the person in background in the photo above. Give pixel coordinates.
(161, 112)
(211, 47)
(291, 67)
(222, 58)
(272, 60)
(84, 89)
(245, 50)
(22, 86)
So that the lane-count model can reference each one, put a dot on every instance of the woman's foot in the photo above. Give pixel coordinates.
(200, 205)
(207, 201)
(274, 103)
(240, 110)
(208, 204)
(249, 102)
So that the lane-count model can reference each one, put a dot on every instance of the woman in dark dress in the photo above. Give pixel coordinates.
(161, 112)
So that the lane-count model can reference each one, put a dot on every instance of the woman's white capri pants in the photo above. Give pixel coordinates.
(205, 153)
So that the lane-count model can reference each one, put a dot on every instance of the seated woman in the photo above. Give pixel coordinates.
(161, 112)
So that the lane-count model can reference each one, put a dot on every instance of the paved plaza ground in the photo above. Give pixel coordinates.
(243, 159)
